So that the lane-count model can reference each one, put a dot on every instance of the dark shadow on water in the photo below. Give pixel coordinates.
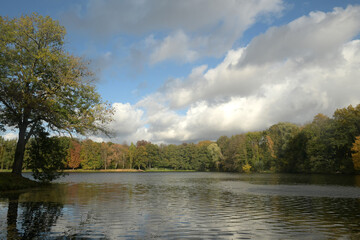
(34, 218)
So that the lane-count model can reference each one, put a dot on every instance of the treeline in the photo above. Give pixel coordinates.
(326, 145)
(90, 155)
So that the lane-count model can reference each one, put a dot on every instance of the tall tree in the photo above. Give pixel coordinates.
(91, 155)
(280, 135)
(41, 84)
(48, 156)
(215, 155)
(74, 158)
(132, 150)
(141, 157)
(346, 128)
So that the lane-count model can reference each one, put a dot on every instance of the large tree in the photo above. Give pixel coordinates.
(42, 86)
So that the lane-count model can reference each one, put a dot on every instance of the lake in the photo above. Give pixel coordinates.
(194, 205)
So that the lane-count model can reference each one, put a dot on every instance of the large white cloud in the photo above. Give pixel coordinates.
(185, 30)
(316, 71)
(127, 125)
(309, 38)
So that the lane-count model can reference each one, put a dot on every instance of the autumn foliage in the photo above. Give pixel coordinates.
(74, 159)
(356, 153)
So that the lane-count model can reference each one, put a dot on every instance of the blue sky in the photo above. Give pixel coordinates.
(184, 71)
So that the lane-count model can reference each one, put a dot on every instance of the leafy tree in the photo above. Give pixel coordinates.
(117, 155)
(74, 158)
(132, 150)
(346, 128)
(7, 157)
(254, 153)
(104, 148)
(43, 85)
(223, 143)
(91, 155)
(215, 155)
(280, 134)
(296, 154)
(153, 154)
(140, 158)
(356, 153)
(236, 156)
(171, 157)
(204, 157)
(319, 147)
(48, 156)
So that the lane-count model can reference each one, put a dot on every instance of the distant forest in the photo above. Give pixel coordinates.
(326, 145)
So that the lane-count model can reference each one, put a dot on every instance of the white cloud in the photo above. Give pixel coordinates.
(127, 125)
(10, 136)
(175, 46)
(185, 30)
(308, 38)
(236, 97)
(290, 73)
(127, 119)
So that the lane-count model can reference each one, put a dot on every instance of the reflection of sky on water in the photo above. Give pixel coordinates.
(198, 205)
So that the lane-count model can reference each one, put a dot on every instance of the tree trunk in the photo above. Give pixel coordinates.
(12, 215)
(19, 151)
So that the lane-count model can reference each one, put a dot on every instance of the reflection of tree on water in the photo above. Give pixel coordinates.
(12, 214)
(35, 218)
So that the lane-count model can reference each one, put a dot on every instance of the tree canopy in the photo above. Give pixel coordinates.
(42, 86)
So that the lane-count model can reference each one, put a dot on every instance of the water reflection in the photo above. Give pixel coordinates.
(189, 205)
(29, 220)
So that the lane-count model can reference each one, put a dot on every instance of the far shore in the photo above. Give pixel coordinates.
(109, 170)
(101, 170)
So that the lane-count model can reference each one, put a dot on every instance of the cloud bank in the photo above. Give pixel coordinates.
(289, 73)
(183, 31)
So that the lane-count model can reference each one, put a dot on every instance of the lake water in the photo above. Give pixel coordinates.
(187, 205)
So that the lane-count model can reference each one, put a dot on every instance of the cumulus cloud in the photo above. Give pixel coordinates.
(308, 38)
(289, 73)
(242, 94)
(187, 30)
(127, 119)
(127, 125)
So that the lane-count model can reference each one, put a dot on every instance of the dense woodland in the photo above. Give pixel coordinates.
(326, 145)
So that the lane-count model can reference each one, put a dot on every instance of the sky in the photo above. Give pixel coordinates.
(192, 70)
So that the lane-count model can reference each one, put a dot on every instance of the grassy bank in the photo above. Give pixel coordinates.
(9, 181)
(102, 170)
(167, 170)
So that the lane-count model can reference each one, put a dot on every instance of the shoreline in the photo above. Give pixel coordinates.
(102, 170)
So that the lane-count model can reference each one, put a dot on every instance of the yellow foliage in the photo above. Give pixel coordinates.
(246, 168)
(204, 143)
(356, 153)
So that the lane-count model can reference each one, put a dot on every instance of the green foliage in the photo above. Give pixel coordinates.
(48, 156)
(318, 147)
(7, 151)
(132, 150)
(215, 156)
(43, 85)
(153, 152)
(140, 157)
(91, 155)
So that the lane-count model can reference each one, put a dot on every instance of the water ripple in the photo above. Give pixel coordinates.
(177, 206)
